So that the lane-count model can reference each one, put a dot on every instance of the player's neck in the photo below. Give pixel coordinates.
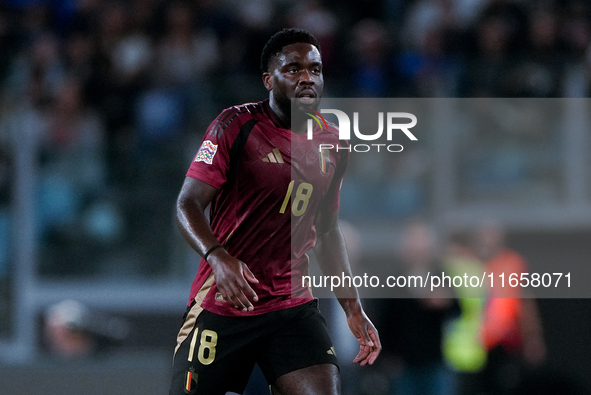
(297, 126)
(283, 115)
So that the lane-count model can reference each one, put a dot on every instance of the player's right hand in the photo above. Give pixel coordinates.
(367, 335)
(232, 278)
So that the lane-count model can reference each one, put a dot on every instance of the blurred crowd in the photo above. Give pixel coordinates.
(459, 340)
(109, 101)
(114, 96)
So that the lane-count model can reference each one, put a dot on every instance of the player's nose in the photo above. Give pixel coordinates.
(306, 78)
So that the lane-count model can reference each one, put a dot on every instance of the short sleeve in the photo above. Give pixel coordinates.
(211, 162)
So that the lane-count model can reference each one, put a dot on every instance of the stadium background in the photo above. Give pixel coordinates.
(103, 104)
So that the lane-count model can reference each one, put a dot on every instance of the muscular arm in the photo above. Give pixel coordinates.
(230, 274)
(331, 253)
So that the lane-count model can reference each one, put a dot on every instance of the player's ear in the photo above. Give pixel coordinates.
(267, 80)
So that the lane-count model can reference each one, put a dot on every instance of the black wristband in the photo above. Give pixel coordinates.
(211, 249)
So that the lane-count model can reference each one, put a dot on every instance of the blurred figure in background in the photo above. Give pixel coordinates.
(75, 139)
(462, 347)
(37, 70)
(539, 72)
(74, 331)
(427, 65)
(316, 17)
(494, 40)
(371, 50)
(185, 58)
(412, 324)
(512, 329)
(73, 178)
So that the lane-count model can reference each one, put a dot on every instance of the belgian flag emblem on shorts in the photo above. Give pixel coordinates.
(191, 382)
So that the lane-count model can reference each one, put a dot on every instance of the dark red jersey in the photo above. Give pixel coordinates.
(271, 184)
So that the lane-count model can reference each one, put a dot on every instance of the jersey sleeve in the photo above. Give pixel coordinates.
(212, 160)
(333, 196)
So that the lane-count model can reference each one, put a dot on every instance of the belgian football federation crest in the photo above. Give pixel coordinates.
(324, 159)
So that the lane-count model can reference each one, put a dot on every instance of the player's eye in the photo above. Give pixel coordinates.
(292, 70)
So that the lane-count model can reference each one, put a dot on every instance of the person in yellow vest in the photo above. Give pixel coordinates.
(462, 347)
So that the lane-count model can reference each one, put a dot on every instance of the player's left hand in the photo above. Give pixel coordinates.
(368, 337)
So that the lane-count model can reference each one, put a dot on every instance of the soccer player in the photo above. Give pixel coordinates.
(274, 196)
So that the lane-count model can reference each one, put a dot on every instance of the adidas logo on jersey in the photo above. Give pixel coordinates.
(332, 351)
(273, 157)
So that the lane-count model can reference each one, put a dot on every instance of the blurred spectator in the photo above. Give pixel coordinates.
(184, 59)
(426, 65)
(8, 42)
(123, 56)
(80, 59)
(256, 15)
(462, 347)
(576, 29)
(184, 54)
(487, 70)
(321, 21)
(492, 44)
(425, 17)
(75, 140)
(371, 58)
(74, 331)
(412, 324)
(38, 70)
(131, 52)
(36, 18)
(72, 181)
(512, 328)
(538, 72)
(79, 16)
(576, 34)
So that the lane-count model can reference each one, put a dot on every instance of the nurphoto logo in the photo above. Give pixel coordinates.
(393, 123)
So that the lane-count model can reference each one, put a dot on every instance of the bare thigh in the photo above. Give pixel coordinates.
(314, 380)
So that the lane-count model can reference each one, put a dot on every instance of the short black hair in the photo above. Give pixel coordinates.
(282, 39)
